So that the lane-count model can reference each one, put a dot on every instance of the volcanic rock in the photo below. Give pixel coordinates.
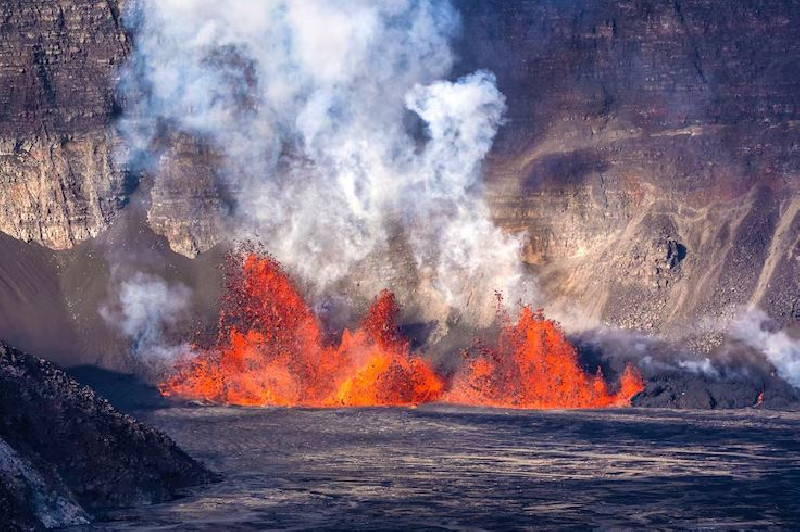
(688, 390)
(633, 126)
(65, 451)
(59, 184)
(33, 496)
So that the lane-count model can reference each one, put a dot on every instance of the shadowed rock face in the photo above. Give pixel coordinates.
(58, 59)
(685, 390)
(649, 156)
(64, 449)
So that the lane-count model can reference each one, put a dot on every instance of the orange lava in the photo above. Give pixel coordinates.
(270, 352)
(532, 365)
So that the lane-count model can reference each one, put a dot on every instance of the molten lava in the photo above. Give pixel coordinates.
(532, 365)
(270, 352)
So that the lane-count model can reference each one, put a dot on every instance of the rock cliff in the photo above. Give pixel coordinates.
(59, 184)
(650, 154)
(649, 157)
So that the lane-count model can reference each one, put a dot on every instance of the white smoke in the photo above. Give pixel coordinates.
(754, 329)
(337, 128)
(147, 307)
(702, 367)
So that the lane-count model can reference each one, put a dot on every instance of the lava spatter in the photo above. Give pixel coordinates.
(533, 365)
(270, 352)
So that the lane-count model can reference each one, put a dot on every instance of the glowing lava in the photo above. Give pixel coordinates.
(270, 352)
(533, 365)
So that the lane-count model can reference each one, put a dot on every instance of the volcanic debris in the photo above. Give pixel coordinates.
(66, 454)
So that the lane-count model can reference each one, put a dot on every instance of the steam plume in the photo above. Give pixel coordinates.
(754, 329)
(338, 130)
(147, 306)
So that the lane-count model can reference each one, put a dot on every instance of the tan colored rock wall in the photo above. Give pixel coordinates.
(58, 193)
(58, 181)
(186, 204)
(634, 124)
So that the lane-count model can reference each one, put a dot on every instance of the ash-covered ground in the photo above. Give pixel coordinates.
(442, 467)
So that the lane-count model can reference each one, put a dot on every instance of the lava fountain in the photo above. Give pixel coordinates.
(270, 351)
(533, 365)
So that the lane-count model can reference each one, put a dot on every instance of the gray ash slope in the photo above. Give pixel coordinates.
(65, 452)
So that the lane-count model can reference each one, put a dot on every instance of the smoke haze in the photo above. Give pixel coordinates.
(755, 329)
(147, 306)
(339, 128)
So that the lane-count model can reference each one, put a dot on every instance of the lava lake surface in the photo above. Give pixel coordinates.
(442, 467)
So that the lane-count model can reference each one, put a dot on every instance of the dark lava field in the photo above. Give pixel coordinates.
(441, 467)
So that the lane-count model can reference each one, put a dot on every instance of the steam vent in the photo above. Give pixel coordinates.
(399, 264)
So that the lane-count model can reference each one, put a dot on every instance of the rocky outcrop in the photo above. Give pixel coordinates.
(688, 390)
(64, 450)
(187, 203)
(34, 496)
(59, 184)
(59, 191)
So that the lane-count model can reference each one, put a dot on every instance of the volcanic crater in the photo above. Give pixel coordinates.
(435, 263)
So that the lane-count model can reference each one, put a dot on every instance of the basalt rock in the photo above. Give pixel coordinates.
(59, 184)
(698, 391)
(649, 155)
(64, 451)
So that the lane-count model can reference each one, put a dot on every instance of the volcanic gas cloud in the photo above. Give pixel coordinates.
(270, 351)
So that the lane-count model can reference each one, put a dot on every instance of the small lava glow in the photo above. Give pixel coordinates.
(270, 352)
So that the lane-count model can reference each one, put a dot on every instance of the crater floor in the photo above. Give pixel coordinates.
(447, 467)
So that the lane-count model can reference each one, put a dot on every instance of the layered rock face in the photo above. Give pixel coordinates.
(59, 184)
(187, 202)
(649, 156)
